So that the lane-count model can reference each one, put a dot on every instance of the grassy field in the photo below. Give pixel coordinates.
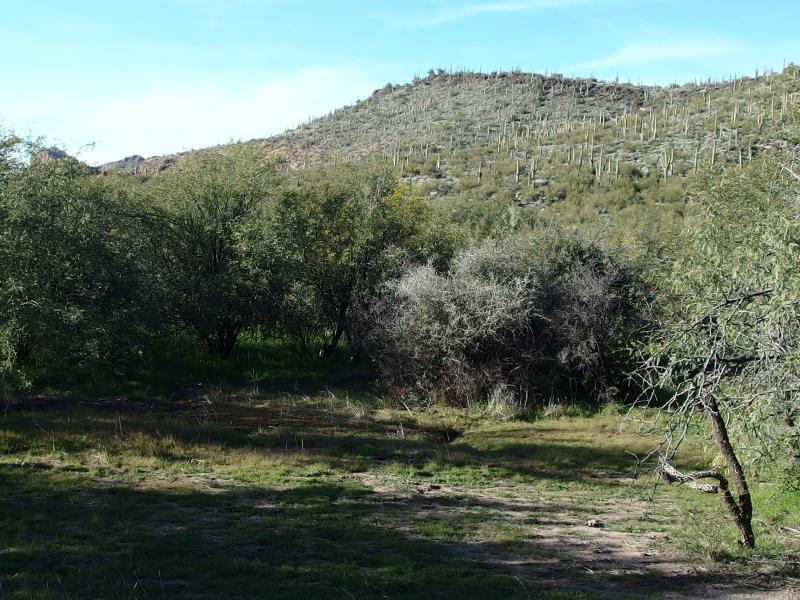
(252, 493)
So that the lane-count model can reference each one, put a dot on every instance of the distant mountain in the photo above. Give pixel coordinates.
(530, 129)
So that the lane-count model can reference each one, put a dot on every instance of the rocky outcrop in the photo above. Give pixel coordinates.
(128, 164)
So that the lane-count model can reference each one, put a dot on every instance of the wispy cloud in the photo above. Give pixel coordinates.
(641, 53)
(484, 8)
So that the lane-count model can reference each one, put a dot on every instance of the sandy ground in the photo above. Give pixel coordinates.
(591, 556)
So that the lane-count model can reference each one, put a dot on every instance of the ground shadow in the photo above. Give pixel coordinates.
(65, 537)
(329, 433)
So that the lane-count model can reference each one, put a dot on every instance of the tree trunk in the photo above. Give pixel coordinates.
(741, 510)
(341, 327)
(353, 345)
(328, 348)
(222, 341)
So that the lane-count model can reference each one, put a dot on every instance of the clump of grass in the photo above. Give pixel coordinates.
(504, 405)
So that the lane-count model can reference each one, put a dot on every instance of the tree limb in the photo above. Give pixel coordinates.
(727, 302)
(672, 474)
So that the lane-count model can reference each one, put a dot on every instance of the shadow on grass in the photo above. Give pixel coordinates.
(327, 436)
(65, 537)
(172, 366)
(329, 433)
(62, 540)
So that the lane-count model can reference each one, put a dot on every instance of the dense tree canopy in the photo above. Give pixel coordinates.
(212, 263)
(346, 234)
(68, 268)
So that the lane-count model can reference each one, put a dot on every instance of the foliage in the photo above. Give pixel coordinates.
(576, 152)
(523, 314)
(68, 266)
(737, 300)
(729, 346)
(346, 233)
(214, 266)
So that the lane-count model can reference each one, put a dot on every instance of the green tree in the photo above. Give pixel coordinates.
(729, 346)
(213, 264)
(346, 233)
(68, 270)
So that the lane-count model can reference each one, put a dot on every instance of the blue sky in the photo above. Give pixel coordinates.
(107, 79)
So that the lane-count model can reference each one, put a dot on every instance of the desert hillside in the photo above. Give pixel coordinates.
(462, 123)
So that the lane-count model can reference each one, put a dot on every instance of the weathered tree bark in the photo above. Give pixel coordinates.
(691, 479)
(742, 509)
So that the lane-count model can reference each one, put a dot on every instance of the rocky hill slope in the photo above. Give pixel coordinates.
(536, 140)
(541, 119)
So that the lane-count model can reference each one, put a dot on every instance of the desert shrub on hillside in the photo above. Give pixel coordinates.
(528, 315)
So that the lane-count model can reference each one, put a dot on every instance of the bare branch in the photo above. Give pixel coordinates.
(672, 474)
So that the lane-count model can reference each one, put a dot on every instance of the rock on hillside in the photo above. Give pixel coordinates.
(129, 164)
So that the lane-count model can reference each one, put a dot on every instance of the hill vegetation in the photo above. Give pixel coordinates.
(479, 253)
(578, 148)
(432, 124)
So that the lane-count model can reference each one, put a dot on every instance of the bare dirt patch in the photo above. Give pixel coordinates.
(560, 548)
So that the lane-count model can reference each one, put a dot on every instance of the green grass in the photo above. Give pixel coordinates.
(172, 363)
(251, 495)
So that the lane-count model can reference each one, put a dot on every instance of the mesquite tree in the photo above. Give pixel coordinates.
(68, 272)
(343, 234)
(729, 345)
(214, 267)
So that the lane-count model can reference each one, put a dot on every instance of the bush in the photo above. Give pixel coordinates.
(68, 273)
(213, 264)
(530, 315)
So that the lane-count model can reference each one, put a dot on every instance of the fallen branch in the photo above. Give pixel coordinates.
(671, 474)
(789, 529)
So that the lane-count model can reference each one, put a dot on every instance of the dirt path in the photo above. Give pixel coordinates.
(573, 552)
